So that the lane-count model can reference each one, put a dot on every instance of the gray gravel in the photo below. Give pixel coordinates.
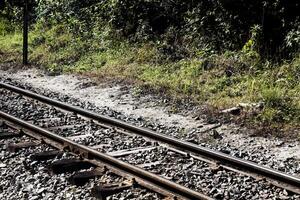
(112, 141)
(220, 184)
(250, 150)
(22, 178)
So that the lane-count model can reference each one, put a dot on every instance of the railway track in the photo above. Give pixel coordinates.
(166, 165)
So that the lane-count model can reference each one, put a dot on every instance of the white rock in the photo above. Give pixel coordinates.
(40, 191)
(2, 165)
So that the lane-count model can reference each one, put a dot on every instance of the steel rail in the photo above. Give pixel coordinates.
(187, 146)
(175, 188)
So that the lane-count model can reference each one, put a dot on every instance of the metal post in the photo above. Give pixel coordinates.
(25, 33)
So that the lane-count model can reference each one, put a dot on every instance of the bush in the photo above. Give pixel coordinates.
(222, 25)
(5, 28)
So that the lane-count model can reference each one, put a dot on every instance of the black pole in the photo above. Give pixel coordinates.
(25, 33)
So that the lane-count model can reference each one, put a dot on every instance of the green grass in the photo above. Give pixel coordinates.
(203, 78)
(10, 42)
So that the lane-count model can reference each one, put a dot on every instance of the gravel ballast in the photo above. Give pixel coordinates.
(23, 178)
(228, 138)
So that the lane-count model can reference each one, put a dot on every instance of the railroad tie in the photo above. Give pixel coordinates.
(69, 165)
(105, 190)
(46, 155)
(81, 178)
(14, 147)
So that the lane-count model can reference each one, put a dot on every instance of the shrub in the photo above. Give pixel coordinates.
(222, 25)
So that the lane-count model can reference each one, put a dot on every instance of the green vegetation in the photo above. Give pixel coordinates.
(209, 57)
(10, 42)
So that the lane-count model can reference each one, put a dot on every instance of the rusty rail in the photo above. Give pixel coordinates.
(187, 146)
(91, 154)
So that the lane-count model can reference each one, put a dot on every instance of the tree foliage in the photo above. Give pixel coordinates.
(218, 24)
